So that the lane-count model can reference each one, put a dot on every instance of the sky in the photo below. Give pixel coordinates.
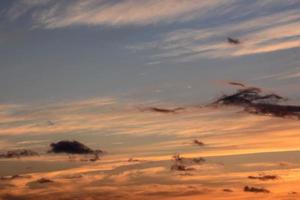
(136, 79)
(162, 50)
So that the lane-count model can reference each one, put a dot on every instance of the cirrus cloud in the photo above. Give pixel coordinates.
(53, 14)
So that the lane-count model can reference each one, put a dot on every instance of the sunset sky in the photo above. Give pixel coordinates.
(92, 70)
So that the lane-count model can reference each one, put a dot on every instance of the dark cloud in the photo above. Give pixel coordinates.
(182, 164)
(233, 41)
(178, 164)
(227, 190)
(71, 147)
(181, 167)
(44, 180)
(264, 177)
(18, 153)
(255, 101)
(177, 158)
(255, 189)
(293, 193)
(198, 142)
(236, 84)
(162, 110)
(133, 160)
(75, 147)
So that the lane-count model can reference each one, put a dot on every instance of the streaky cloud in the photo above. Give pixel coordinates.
(58, 14)
(254, 101)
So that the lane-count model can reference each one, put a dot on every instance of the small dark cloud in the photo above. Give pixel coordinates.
(198, 142)
(182, 164)
(178, 163)
(233, 41)
(18, 153)
(227, 190)
(255, 189)
(177, 158)
(236, 84)
(44, 180)
(162, 110)
(293, 193)
(264, 177)
(50, 123)
(181, 167)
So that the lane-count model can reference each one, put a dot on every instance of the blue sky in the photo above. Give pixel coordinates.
(170, 51)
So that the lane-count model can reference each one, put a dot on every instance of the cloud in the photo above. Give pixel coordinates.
(116, 179)
(145, 133)
(255, 190)
(260, 26)
(290, 74)
(113, 13)
(44, 180)
(28, 119)
(198, 142)
(162, 110)
(22, 7)
(227, 190)
(15, 177)
(264, 177)
(258, 34)
(72, 147)
(18, 154)
(184, 164)
(254, 101)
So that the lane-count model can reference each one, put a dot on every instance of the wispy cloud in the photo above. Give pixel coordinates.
(273, 31)
(102, 117)
(126, 12)
(261, 26)
(22, 7)
(290, 74)
(146, 180)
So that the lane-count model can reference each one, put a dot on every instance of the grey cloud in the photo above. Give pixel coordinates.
(254, 101)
